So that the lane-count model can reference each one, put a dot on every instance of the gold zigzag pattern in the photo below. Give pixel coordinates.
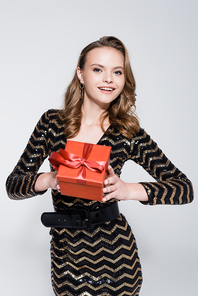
(16, 182)
(170, 172)
(96, 288)
(32, 155)
(102, 239)
(188, 192)
(92, 234)
(174, 188)
(140, 148)
(73, 202)
(145, 155)
(102, 258)
(102, 249)
(150, 159)
(98, 278)
(164, 193)
(58, 143)
(55, 134)
(103, 294)
(155, 189)
(160, 166)
(41, 123)
(172, 193)
(124, 265)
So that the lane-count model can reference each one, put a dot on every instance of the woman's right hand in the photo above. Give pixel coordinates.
(46, 181)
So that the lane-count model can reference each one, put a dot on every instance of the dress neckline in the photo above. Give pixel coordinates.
(103, 134)
(97, 143)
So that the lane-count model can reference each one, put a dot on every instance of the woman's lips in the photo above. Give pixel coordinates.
(106, 89)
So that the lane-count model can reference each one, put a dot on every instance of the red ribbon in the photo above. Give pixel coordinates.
(74, 161)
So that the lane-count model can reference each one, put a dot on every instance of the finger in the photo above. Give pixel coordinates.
(110, 171)
(110, 181)
(57, 184)
(109, 189)
(54, 173)
(111, 178)
(108, 196)
(58, 187)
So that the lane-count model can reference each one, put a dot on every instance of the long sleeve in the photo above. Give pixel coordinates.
(20, 183)
(171, 186)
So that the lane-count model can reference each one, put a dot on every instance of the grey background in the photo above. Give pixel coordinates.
(40, 44)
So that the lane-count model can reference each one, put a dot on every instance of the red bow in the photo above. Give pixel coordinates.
(74, 161)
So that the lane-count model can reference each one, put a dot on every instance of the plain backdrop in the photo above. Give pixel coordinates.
(40, 42)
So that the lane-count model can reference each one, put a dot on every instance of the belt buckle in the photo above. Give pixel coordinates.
(87, 219)
(80, 216)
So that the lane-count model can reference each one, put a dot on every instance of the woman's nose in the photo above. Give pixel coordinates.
(107, 78)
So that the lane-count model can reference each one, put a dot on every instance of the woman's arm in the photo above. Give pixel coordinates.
(116, 188)
(171, 185)
(46, 181)
(21, 182)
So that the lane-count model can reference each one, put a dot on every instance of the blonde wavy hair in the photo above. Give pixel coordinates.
(121, 111)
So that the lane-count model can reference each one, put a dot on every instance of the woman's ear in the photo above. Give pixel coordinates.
(80, 75)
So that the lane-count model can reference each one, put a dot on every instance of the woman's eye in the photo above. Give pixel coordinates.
(97, 70)
(118, 72)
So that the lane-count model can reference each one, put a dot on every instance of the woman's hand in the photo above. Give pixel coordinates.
(118, 189)
(46, 181)
(115, 187)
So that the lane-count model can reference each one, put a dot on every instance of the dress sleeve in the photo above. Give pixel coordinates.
(171, 186)
(20, 183)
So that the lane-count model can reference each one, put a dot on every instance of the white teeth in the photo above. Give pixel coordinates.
(106, 88)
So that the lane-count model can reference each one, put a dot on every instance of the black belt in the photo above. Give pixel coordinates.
(81, 218)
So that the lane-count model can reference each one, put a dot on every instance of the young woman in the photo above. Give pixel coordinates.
(100, 258)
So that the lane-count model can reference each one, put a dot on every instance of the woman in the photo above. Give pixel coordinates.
(99, 109)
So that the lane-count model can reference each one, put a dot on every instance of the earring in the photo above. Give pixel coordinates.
(81, 86)
(81, 90)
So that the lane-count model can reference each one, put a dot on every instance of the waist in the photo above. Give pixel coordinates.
(82, 218)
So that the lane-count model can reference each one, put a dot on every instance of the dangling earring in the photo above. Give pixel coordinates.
(81, 90)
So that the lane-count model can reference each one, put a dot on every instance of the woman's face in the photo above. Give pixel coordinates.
(103, 75)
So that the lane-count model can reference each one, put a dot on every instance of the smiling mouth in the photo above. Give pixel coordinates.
(107, 88)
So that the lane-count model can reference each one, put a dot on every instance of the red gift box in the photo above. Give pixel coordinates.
(82, 168)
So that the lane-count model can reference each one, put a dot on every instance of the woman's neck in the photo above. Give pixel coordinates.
(91, 114)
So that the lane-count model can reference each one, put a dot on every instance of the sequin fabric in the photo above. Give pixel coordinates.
(102, 260)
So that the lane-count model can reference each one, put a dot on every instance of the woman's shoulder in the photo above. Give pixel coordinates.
(142, 139)
(53, 113)
(114, 132)
(52, 116)
(140, 135)
(50, 123)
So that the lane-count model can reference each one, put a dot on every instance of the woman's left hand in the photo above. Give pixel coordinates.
(118, 189)
(115, 187)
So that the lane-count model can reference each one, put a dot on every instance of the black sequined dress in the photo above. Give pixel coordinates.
(103, 260)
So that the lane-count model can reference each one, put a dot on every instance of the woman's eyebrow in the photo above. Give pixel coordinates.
(98, 65)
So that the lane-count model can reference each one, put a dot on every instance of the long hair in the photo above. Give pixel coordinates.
(121, 111)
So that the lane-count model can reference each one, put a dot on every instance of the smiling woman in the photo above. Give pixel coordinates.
(100, 258)
(103, 57)
(104, 68)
